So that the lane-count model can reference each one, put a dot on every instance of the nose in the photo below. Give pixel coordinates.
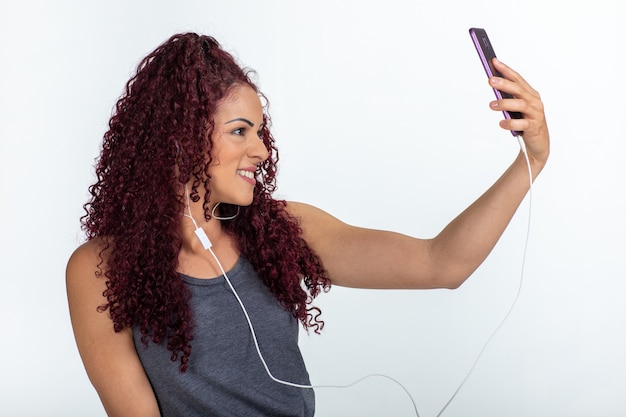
(258, 150)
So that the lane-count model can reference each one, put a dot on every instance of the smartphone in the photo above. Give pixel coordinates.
(487, 54)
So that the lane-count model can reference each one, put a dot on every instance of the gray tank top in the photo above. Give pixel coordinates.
(225, 375)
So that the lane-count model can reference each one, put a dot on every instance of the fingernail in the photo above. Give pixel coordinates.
(494, 104)
(494, 80)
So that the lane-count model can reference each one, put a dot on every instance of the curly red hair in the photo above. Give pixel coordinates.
(159, 137)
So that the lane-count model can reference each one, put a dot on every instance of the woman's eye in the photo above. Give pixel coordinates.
(239, 132)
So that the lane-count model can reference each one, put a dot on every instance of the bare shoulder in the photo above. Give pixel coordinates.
(84, 274)
(87, 255)
(85, 285)
(84, 277)
(297, 209)
(309, 215)
(109, 357)
(319, 228)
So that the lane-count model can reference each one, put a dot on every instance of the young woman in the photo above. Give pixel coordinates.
(188, 163)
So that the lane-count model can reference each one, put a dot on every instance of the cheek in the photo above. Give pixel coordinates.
(218, 154)
(218, 143)
(227, 153)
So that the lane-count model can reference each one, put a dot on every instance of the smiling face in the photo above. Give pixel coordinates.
(237, 147)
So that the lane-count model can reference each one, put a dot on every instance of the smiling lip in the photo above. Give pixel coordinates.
(247, 175)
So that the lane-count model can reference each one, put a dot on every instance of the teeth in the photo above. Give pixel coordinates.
(248, 174)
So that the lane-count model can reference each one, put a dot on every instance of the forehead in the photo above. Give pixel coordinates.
(241, 101)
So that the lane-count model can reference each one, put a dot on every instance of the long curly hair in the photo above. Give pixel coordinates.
(159, 137)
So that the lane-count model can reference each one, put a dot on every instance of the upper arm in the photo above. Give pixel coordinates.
(366, 258)
(110, 358)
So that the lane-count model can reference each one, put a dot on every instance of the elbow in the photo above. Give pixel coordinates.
(450, 280)
(447, 272)
(452, 276)
(453, 284)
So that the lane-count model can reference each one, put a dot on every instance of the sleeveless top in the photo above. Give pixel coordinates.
(225, 376)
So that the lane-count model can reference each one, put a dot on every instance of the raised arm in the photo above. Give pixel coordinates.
(365, 258)
(110, 358)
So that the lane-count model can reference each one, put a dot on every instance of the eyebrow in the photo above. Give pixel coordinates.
(240, 119)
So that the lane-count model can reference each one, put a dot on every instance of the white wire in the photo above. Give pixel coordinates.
(189, 204)
(519, 289)
(292, 384)
(308, 386)
(208, 246)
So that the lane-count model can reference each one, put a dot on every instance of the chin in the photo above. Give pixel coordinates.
(242, 199)
(243, 202)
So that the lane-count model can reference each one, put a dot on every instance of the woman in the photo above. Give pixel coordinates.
(189, 163)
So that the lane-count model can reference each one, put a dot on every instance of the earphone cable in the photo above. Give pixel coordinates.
(519, 288)
(208, 246)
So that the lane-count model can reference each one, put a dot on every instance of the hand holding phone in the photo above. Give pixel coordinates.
(487, 54)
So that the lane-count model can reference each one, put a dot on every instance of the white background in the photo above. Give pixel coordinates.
(381, 114)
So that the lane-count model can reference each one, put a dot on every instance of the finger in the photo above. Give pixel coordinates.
(507, 72)
(512, 105)
(532, 126)
(519, 125)
(532, 112)
(526, 102)
(515, 88)
(513, 76)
